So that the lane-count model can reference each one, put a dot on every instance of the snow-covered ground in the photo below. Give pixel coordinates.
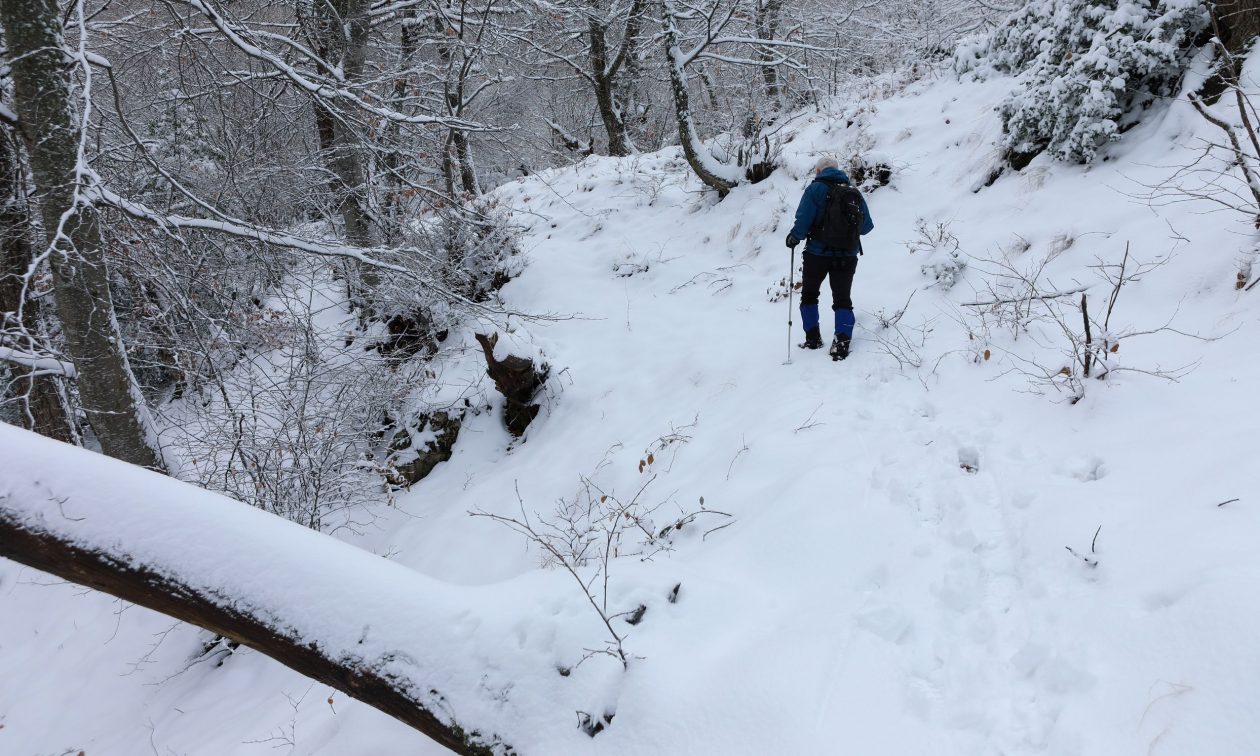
(929, 548)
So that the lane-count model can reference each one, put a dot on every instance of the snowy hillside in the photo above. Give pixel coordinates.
(928, 548)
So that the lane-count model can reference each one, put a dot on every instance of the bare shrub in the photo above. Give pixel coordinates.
(943, 261)
(1024, 303)
(588, 530)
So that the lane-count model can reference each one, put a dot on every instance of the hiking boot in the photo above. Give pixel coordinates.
(839, 347)
(813, 339)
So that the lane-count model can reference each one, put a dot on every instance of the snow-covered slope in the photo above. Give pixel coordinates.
(895, 575)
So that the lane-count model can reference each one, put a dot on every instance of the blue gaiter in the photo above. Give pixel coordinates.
(844, 321)
(809, 316)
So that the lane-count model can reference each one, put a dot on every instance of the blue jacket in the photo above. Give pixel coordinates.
(812, 204)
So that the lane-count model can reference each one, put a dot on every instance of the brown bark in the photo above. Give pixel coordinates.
(467, 172)
(49, 126)
(518, 379)
(114, 572)
(339, 32)
(324, 132)
(601, 73)
(611, 74)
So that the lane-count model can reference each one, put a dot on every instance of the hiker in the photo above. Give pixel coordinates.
(832, 216)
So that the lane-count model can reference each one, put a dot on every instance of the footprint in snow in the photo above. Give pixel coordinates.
(969, 459)
(885, 622)
(1087, 469)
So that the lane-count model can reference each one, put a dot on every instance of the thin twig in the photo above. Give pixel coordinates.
(1033, 298)
(743, 449)
(808, 421)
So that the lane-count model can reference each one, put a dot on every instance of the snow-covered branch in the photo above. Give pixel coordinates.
(335, 90)
(44, 364)
(361, 624)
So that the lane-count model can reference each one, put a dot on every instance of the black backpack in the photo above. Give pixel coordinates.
(839, 226)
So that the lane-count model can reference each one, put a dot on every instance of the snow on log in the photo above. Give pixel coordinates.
(374, 630)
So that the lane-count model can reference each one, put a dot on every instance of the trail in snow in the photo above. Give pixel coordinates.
(873, 595)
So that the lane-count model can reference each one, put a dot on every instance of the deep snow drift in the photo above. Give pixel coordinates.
(895, 577)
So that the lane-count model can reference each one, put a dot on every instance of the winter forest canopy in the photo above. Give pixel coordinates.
(305, 270)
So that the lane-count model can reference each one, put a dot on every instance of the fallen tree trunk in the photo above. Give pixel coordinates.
(113, 574)
(363, 625)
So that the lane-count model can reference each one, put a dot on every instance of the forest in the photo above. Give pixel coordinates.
(429, 354)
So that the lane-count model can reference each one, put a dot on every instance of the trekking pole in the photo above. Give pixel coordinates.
(791, 285)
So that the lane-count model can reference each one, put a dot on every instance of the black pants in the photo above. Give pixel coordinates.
(840, 269)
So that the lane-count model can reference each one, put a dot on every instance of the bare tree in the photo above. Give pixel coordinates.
(768, 15)
(736, 36)
(54, 131)
(712, 20)
(463, 36)
(598, 42)
(343, 27)
(36, 381)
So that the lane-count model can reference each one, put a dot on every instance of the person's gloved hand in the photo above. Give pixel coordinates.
(792, 241)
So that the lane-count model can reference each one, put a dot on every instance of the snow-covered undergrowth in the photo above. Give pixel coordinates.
(929, 548)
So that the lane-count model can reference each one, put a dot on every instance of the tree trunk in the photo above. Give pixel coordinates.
(107, 389)
(1239, 22)
(85, 520)
(40, 398)
(767, 23)
(340, 34)
(692, 148)
(467, 171)
(628, 70)
(519, 379)
(448, 164)
(458, 150)
(347, 159)
(324, 132)
(609, 113)
(394, 206)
